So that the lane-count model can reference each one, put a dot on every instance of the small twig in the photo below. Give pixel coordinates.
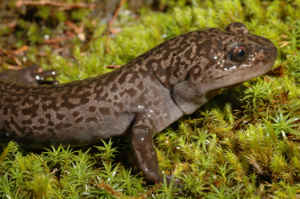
(283, 44)
(110, 23)
(58, 39)
(110, 190)
(73, 26)
(21, 50)
(12, 67)
(11, 53)
(18, 62)
(63, 6)
(112, 66)
(79, 29)
(12, 24)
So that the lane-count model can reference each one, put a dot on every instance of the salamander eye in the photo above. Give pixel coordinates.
(238, 54)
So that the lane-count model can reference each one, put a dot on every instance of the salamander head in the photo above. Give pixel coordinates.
(216, 59)
(234, 56)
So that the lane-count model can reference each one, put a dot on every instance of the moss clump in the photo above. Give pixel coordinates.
(243, 144)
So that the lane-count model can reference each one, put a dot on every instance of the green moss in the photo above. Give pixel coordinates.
(243, 144)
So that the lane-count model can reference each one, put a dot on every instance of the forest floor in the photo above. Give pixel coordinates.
(245, 143)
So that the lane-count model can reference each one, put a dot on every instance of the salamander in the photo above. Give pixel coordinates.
(139, 99)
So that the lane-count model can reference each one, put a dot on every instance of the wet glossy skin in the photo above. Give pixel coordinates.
(142, 98)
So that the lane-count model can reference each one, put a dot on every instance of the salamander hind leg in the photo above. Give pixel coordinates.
(30, 76)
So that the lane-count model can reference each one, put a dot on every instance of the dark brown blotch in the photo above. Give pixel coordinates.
(26, 122)
(60, 116)
(41, 120)
(92, 108)
(104, 111)
(91, 119)
(140, 86)
(114, 88)
(75, 114)
(79, 120)
(131, 92)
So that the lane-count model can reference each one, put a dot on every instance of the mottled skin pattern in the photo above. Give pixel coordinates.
(142, 98)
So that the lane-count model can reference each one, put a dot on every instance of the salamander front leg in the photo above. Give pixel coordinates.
(143, 148)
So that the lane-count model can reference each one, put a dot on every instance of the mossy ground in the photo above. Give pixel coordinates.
(245, 143)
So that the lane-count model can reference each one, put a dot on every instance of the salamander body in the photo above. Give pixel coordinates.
(141, 98)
